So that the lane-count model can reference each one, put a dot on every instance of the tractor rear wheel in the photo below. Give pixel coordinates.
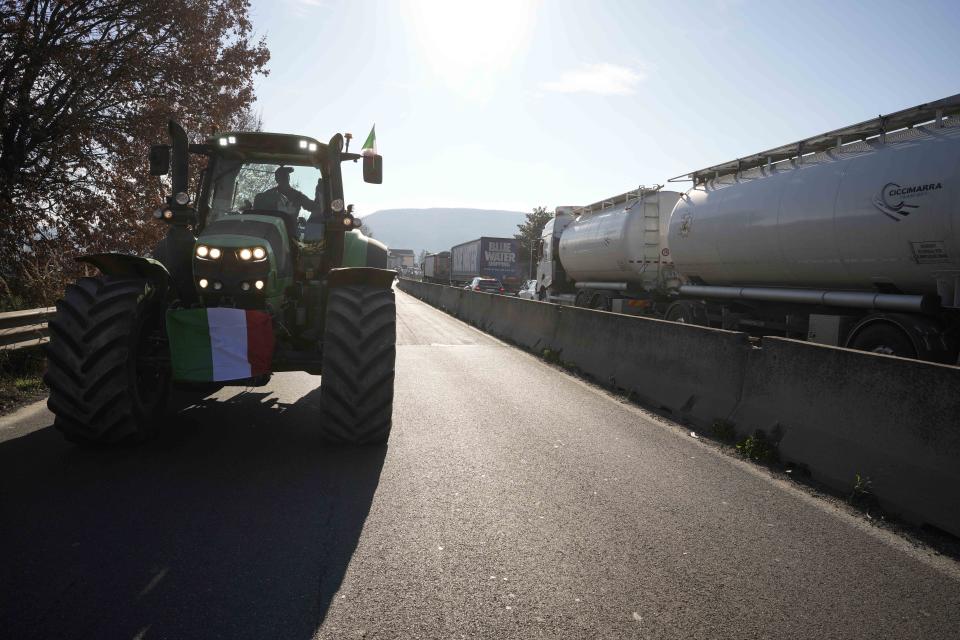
(101, 390)
(359, 351)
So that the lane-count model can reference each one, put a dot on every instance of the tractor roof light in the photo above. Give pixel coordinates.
(312, 146)
(215, 253)
(224, 142)
(203, 250)
(245, 254)
(303, 144)
(259, 253)
(232, 139)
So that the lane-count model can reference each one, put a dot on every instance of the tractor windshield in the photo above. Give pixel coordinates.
(247, 187)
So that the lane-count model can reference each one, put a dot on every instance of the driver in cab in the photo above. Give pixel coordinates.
(285, 198)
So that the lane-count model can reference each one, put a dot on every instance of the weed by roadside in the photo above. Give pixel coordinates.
(551, 356)
(21, 377)
(723, 430)
(758, 448)
(862, 493)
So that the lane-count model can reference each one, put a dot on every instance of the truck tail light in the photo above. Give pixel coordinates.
(501, 289)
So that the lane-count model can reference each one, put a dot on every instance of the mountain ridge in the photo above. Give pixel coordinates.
(439, 228)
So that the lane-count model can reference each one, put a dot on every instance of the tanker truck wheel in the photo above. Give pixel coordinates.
(359, 350)
(602, 302)
(885, 338)
(688, 312)
(101, 390)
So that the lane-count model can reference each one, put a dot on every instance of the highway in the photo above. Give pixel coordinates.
(513, 501)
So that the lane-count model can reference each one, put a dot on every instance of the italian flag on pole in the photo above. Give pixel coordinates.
(370, 146)
(218, 344)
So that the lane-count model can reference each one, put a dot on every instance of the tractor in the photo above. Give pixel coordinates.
(253, 277)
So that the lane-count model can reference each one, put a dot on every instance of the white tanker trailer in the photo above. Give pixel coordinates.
(850, 238)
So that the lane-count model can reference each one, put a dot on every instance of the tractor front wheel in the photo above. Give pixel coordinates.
(359, 351)
(107, 383)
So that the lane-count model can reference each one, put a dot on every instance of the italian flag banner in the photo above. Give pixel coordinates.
(217, 344)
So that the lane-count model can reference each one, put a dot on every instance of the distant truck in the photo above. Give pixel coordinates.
(490, 258)
(850, 238)
(436, 268)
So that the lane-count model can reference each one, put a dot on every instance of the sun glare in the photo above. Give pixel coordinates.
(470, 45)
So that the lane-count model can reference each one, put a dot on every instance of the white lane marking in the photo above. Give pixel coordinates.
(154, 582)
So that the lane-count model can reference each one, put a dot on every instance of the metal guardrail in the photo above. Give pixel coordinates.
(27, 328)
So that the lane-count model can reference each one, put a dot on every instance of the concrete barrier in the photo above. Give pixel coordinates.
(695, 373)
(844, 413)
(839, 413)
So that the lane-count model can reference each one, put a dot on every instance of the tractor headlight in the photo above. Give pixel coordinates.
(203, 283)
(258, 284)
(252, 253)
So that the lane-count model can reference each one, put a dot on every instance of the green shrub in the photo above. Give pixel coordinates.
(758, 448)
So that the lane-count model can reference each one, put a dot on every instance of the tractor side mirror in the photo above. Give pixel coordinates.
(373, 169)
(159, 160)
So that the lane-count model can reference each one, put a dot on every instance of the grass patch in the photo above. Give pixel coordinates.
(758, 448)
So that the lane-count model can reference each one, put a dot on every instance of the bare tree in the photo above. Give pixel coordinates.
(85, 88)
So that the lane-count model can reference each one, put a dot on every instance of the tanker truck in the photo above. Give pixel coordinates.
(849, 238)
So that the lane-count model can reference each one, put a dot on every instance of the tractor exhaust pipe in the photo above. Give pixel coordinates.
(179, 165)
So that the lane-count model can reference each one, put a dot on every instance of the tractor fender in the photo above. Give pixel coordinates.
(371, 276)
(126, 265)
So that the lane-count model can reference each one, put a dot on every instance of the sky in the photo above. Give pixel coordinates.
(515, 104)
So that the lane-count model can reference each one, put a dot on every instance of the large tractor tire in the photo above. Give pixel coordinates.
(359, 350)
(100, 390)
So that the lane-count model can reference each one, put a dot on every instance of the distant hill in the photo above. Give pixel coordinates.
(439, 229)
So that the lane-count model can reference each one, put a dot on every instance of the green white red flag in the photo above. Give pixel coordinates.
(219, 344)
(370, 146)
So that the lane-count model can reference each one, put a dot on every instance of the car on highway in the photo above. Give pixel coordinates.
(528, 291)
(486, 285)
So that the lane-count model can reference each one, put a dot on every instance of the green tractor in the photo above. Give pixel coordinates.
(253, 277)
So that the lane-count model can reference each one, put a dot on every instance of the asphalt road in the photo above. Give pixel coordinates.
(513, 501)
